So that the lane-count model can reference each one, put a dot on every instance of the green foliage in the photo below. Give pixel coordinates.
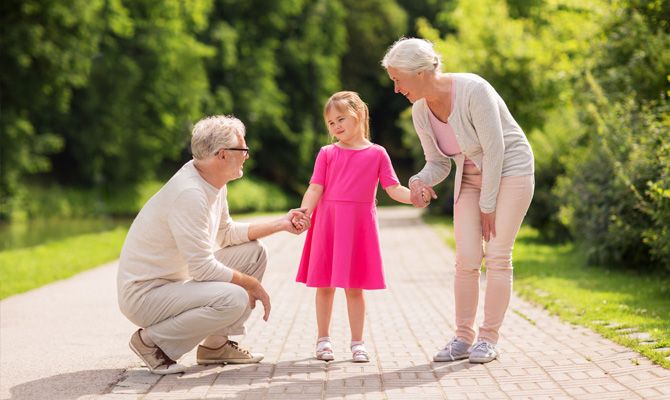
(147, 86)
(47, 48)
(253, 195)
(371, 27)
(52, 201)
(274, 70)
(634, 60)
(560, 134)
(614, 192)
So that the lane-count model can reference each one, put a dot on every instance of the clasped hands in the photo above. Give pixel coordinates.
(298, 220)
(421, 194)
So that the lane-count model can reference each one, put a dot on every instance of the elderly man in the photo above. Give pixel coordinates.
(187, 271)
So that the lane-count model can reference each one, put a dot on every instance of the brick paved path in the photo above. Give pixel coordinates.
(542, 357)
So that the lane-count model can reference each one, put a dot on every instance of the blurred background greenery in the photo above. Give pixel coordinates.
(97, 99)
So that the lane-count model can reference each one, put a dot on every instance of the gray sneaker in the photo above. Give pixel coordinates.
(454, 350)
(483, 352)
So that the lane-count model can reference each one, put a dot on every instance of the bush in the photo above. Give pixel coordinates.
(51, 201)
(615, 194)
(557, 138)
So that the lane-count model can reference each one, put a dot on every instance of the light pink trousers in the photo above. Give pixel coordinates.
(512, 204)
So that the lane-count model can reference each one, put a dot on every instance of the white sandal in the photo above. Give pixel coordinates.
(359, 353)
(324, 349)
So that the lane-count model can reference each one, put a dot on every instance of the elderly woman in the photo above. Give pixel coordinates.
(460, 117)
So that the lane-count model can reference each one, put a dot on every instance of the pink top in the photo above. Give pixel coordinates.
(352, 175)
(444, 133)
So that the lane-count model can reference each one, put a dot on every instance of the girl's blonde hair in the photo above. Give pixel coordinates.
(351, 103)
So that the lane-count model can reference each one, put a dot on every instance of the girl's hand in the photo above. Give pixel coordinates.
(421, 194)
(299, 221)
(488, 225)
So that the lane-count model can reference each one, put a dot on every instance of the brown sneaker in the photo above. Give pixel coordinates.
(153, 357)
(228, 353)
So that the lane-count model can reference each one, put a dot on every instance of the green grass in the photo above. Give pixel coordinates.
(29, 268)
(558, 278)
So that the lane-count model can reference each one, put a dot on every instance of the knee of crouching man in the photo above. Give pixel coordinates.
(261, 259)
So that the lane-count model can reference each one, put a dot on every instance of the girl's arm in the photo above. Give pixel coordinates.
(311, 198)
(309, 202)
(399, 193)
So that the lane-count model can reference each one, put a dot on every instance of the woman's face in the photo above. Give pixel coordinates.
(406, 83)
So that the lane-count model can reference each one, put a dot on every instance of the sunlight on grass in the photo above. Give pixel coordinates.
(558, 278)
(28, 268)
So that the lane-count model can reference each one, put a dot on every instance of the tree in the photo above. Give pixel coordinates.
(276, 64)
(147, 87)
(47, 48)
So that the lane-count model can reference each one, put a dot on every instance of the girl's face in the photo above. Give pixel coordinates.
(409, 84)
(343, 126)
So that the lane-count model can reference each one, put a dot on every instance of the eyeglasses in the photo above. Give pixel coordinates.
(243, 149)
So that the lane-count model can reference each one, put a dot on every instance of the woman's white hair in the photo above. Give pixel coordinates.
(214, 133)
(412, 55)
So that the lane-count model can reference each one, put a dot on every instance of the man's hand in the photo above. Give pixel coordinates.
(488, 225)
(299, 221)
(259, 293)
(421, 194)
(254, 290)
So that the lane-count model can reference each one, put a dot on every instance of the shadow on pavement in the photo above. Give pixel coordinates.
(292, 378)
(67, 386)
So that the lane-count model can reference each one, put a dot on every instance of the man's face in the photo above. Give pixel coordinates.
(234, 158)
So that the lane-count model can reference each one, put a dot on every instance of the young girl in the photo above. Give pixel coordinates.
(342, 246)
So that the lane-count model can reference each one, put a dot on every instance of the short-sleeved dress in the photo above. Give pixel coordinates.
(342, 246)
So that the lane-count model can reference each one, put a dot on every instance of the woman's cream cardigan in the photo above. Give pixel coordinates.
(486, 133)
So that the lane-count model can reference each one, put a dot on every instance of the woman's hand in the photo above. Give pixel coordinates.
(488, 225)
(421, 194)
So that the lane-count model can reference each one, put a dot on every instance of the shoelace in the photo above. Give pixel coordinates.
(238, 348)
(484, 346)
(167, 361)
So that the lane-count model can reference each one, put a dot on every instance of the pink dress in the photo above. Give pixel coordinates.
(342, 246)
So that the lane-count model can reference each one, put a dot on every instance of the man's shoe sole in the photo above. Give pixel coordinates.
(254, 360)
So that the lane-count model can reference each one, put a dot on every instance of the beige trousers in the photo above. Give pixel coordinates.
(512, 203)
(179, 315)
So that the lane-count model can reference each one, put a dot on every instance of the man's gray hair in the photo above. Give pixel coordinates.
(412, 55)
(214, 133)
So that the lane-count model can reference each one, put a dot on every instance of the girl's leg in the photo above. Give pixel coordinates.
(469, 254)
(356, 309)
(324, 309)
(513, 201)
